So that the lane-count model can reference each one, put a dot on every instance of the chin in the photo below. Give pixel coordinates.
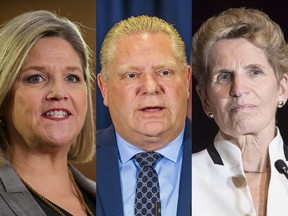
(60, 141)
(238, 132)
(153, 131)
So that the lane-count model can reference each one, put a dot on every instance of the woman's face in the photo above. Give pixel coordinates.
(242, 90)
(49, 99)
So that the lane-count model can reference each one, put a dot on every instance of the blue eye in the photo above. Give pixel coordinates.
(224, 77)
(256, 71)
(73, 78)
(35, 79)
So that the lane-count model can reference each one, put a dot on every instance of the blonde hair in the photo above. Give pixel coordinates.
(251, 24)
(139, 25)
(17, 37)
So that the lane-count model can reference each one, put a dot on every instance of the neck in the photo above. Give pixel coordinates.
(254, 150)
(255, 156)
(255, 162)
(30, 163)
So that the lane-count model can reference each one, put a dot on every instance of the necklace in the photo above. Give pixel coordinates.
(258, 172)
(51, 205)
(80, 194)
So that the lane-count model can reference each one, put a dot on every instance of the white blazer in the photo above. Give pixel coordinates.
(218, 181)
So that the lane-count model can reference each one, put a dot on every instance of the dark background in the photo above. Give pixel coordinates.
(205, 129)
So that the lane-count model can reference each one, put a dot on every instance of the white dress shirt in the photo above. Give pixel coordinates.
(220, 189)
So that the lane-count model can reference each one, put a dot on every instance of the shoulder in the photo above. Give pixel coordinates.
(9, 179)
(105, 138)
(200, 154)
(105, 133)
(202, 169)
(188, 135)
(87, 184)
(188, 125)
(15, 198)
(200, 158)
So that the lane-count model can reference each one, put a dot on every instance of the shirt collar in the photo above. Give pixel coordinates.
(224, 152)
(172, 151)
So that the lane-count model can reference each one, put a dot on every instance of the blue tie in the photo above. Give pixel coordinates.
(147, 198)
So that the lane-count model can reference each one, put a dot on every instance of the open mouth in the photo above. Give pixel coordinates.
(152, 109)
(58, 114)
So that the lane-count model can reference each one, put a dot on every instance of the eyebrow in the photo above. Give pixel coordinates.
(172, 65)
(227, 70)
(254, 66)
(44, 68)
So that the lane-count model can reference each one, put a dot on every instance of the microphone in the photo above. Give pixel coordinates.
(281, 167)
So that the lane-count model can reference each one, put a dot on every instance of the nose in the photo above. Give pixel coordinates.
(239, 86)
(57, 91)
(150, 85)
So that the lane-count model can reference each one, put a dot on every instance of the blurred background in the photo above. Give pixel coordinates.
(205, 129)
(83, 12)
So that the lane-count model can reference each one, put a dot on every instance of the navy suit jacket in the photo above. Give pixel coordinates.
(108, 192)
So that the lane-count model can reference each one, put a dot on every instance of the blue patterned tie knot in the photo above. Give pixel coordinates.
(147, 158)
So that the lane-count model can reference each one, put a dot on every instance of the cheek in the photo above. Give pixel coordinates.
(217, 105)
(270, 98)
(23, 110)
(119, 95)
(273, 91)
(25, 102)
(81, 99)
(178, 89)
(217, 96)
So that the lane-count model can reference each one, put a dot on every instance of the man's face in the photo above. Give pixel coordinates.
(147, 90)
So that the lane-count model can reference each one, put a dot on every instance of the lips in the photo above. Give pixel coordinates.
(242, 107)
(57, 114)
(152, 109)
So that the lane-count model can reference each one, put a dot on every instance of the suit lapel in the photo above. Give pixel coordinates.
(16, 195)
(85, 183)
(185, 187)
(108, 177)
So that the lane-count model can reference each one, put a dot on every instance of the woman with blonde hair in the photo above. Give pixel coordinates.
(46, 117)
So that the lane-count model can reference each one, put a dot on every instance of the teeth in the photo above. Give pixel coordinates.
(57, 113)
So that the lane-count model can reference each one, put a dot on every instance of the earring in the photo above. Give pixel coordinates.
(280, 104)
(2, 121)
(210, 115)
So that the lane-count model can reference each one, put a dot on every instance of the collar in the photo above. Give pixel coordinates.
(224, 148)
(172, 151)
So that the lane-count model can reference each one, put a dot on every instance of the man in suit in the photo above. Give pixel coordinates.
(144, 81)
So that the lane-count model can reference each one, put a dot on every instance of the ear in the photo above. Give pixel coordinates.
(188, 75)
(102, 83)
(204, 100)
(188, 78)
(283, 89)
